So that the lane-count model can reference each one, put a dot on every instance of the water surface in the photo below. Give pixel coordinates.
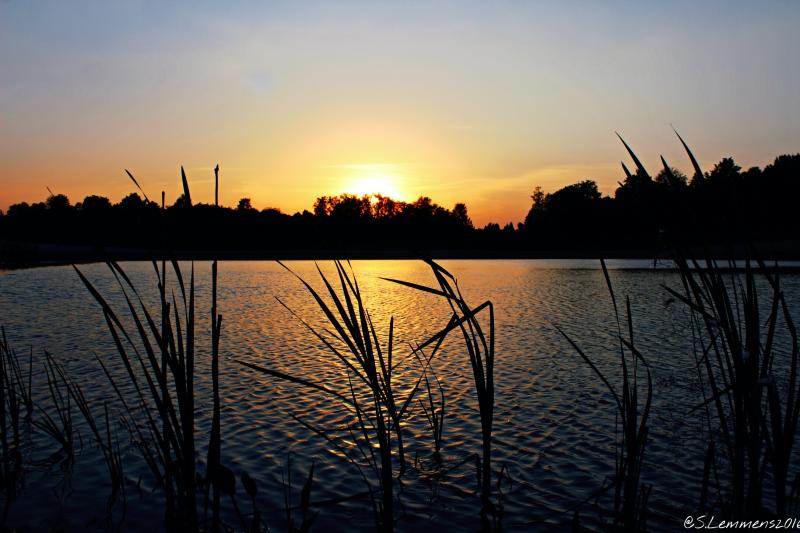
(554, 420)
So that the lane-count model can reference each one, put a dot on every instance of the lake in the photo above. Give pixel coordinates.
(554, 432)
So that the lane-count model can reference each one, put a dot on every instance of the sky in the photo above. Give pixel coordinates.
(474, 102)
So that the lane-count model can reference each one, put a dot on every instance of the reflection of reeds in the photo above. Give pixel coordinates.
(630, 496)
(751, 413)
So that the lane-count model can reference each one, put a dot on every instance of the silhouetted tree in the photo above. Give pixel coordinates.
(534, 220)
(351, 208)
(385, 207)
(422, 207)
(18, 210)
(324, 205)
(95, 203)
(181, 202)
(133, 202)
(724, 173)
(538, 199)
(244, 205)
(58, 202)
(674, 179)
(461, 216)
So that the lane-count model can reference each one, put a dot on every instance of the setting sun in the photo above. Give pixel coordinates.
(372, 179)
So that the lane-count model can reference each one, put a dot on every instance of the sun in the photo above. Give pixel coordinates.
(374, 181)
(373, 185)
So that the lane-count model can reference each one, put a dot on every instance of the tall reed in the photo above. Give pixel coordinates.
(108, 447)
(214, 445)
(162, 386)
(355, 343)
(307, 517)
(159, 361)
(480, 348)
(749, 370)
(16, 411)
(59, 427)
(434, 411)
(630, 495)
(748, 367)
(369, 384)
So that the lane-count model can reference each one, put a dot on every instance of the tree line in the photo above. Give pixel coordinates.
(371, 222)
(722, 205)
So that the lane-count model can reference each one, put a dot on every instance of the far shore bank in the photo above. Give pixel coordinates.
(26, 255)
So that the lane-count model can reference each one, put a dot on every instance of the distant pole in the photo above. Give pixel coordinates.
(216, 185)
(162, 199)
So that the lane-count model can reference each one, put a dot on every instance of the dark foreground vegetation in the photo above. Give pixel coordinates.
(647, 211)
(747, 361)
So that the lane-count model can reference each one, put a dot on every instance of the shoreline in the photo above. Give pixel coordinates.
(30, 255)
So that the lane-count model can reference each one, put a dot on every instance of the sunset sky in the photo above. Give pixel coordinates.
(474, 102)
